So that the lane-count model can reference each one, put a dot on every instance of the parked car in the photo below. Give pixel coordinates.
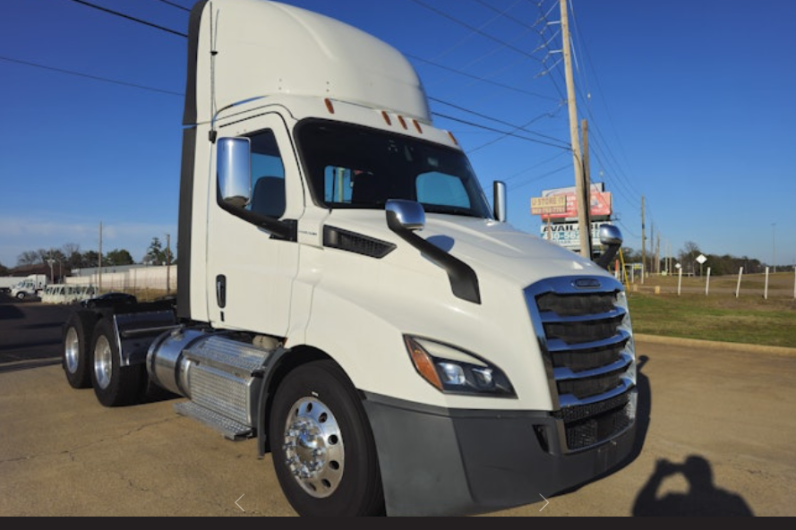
(109, 299)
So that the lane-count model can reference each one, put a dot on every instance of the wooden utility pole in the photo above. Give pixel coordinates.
(658, 254)
(583, 226)
(584, 125)
(643, 242)
(99, 262)
(168, 264)
(652, 248)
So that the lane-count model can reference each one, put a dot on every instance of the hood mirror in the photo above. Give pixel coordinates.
(408, 215)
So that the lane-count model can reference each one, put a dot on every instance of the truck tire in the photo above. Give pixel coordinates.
(20, 295)
(114, 385)
(77, 341)
(322, 447)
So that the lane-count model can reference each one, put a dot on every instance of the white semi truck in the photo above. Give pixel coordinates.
(29, 286)
(348, 297)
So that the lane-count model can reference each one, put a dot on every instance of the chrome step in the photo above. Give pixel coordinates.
(229, 428)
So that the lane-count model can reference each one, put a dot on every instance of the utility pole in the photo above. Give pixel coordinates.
(99, 262)
(652, 248)
(658, 254)
(583, 226)
(643, 242)
(584, 125)
(168, 264)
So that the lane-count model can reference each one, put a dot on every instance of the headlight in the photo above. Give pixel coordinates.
(454, 371)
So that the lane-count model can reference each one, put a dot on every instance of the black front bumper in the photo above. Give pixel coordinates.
(437, 461)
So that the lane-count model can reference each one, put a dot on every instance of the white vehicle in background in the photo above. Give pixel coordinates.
(32, 285)
(7, 282)
(67, 294)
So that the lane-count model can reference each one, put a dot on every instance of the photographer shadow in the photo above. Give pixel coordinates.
(702, 499)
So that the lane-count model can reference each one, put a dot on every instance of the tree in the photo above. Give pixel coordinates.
(29, 257)
(631, 255)
(72, 257)
(156, 255)
(89, 259)
(688, 256)
(117, 257)
(3, 269)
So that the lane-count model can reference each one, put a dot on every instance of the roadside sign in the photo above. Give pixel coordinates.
(567, 234)
(548, 205)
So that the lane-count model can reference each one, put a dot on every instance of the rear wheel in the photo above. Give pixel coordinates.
(322, 446)
(114, 385)
(77, 345)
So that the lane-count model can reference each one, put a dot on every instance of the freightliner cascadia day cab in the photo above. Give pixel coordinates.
(348, 297)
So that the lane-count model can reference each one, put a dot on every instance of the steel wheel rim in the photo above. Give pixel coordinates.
(71, 350)
(102, 362)
(313, 444)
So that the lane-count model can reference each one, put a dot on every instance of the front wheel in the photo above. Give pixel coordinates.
(322, 446)
(20, 296)
(114, 385)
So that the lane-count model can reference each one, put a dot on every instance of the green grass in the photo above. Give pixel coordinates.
(720, 317)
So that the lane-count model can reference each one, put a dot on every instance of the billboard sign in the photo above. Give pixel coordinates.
(568, 234)
(548, 205)
(600, 203)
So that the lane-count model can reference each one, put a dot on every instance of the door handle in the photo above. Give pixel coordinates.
(221, 290)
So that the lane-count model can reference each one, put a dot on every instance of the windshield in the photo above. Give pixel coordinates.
(356, 167)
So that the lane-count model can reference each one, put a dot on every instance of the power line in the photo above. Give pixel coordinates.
(172, 93)
(128, 17)
(619, 171)
(543, 176)
(492, 129)
(538, 164)
(475, 30)
(178, 6)
(481, 79)
(89, 76)
(563, 145)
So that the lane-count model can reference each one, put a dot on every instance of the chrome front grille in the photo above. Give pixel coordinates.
(586, 339)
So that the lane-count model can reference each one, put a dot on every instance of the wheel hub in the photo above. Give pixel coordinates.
(71, 352)
(313, 447)
(102, 361)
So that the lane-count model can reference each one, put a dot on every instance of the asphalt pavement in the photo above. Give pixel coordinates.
(716, 428)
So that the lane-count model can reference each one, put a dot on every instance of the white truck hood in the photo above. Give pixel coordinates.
(489, 247)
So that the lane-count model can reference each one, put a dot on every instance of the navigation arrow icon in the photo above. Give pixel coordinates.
(238, 505)
(546, 502)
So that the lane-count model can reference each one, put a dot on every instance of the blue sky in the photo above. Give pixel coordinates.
(691, 105)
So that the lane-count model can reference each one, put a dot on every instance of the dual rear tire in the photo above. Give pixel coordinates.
(91, 358)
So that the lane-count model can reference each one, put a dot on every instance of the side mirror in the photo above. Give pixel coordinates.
(233, 167)
(408, 215)
(611, 238)
(499, 200)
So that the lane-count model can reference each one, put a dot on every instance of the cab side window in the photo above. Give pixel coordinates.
(268, 176)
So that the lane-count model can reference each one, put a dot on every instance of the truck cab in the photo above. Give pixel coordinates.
(348, 295)
(29, 287)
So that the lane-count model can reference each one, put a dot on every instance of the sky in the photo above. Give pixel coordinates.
(690, 105)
